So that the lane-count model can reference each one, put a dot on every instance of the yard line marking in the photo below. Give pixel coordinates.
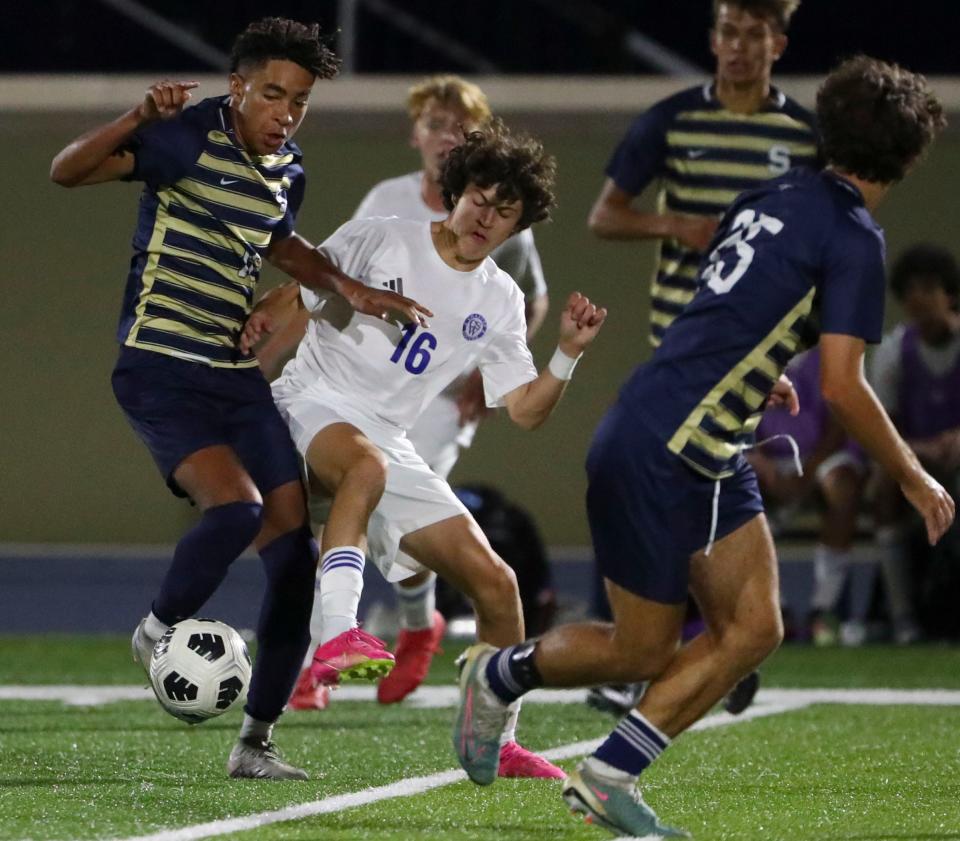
(447, 696)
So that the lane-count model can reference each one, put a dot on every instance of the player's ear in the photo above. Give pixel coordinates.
(780, 42)
(236, 86)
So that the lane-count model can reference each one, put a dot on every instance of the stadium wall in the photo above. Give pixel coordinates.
(73, 472)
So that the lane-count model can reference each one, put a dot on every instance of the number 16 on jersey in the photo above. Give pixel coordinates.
(417, 352)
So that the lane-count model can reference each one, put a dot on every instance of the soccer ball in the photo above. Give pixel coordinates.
(199, 669)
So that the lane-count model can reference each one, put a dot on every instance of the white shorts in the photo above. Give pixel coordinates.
(437, 435)
(414, 496)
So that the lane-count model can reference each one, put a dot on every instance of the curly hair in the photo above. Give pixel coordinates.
(516, 163)
(777, 11)
(876, 119)
(288, 40)
(926, 260)
(451, 92)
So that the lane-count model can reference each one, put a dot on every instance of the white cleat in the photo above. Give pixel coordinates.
(259, 759)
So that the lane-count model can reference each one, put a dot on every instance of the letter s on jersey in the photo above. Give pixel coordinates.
(779, 158)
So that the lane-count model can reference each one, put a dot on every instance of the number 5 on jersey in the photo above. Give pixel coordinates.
(745, 228)
(418, 355)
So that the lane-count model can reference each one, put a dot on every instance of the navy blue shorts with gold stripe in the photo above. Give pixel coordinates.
(178, 407)
(649, 511)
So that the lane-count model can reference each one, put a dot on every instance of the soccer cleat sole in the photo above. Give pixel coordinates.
(368, 670)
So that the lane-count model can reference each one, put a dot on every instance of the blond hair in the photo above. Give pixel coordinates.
(452, 92)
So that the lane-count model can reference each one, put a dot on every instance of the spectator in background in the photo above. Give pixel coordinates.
(916, 374)
(833, 476)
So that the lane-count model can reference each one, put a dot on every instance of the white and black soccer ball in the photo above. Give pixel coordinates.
(200, 668)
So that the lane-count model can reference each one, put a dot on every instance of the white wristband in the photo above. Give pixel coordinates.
(561, 365)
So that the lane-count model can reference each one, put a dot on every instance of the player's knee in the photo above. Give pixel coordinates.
(495, 584)
(369, 471)
(755, 642)
(240, 520)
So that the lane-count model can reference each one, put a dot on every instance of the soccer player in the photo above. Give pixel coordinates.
(916, 372)
(442, 110)
(672, 503)
(704, 146)
(223, 183)
(357, 384)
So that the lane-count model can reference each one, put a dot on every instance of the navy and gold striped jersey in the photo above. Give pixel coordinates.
(208, 213)
(704, 156)
(793, 259)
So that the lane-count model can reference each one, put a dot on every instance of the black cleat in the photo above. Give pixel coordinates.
(742, 695)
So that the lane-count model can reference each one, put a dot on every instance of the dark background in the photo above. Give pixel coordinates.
(517, 36)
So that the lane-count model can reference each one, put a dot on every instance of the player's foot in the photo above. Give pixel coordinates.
(258, 759)
(353, 655)
(517, 761)
(616, 698)
(141, 646)
(619, 809)
(415, 650)
(308, 695)
(742, 695)
(481, 717)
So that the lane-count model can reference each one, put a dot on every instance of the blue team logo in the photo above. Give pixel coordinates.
(474, 326)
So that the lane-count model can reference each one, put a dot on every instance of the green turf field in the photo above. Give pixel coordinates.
(824, 771)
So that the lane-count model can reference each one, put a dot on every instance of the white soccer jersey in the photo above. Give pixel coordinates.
(401, 197)
(390, 372)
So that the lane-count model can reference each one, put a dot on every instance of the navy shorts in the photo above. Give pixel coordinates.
(179, 407)
(649, 511)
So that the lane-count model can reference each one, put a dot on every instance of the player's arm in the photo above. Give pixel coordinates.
(98, 155)
(536, 312)
(296, 257)
(853, 401)
(530, 405)
(614, 217)
(275, 327)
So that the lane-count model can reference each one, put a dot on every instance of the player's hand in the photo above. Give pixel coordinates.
(260, 324)
(695, 231)
(932, 503)
(471, 400)
(784, 395)
(381, 303)
(165, 99)
(580, 322)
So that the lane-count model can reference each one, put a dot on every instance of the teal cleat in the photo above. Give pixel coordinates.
(481, 718)
(613, 807)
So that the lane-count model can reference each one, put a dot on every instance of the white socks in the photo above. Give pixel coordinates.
(510, 729)
(154, 628)
(417, 604)
(829, 574)
(341, 583)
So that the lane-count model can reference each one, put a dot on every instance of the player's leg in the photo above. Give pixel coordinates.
(458, 550)
(289, 554)
(353, 470)
(737, 590)
(435, 436)
(840, 482)
(892, 527)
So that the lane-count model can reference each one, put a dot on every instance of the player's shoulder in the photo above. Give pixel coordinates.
(793, 109)
(692, 98)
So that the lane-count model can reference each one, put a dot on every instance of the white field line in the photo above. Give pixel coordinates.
(769, 702)
(418, 785)
(446, 696)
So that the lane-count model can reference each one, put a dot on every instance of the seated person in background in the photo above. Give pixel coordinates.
(833, 477)
(916, 374)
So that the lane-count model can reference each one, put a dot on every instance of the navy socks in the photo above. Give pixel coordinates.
(203, 556)
(283, 630)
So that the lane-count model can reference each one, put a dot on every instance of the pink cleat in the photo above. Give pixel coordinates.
(415, 650)
(308, 695)
(517, 761)
(353, 655)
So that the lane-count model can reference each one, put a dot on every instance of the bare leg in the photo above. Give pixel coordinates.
(353, 469)
(736, 588)
(637, 646)
(457, 549)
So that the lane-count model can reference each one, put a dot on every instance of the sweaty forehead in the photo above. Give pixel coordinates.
(279, 73)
